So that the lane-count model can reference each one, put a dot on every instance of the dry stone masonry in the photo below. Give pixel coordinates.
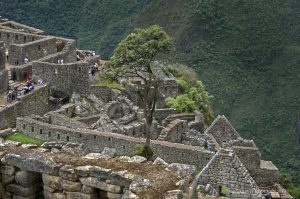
(91, 132)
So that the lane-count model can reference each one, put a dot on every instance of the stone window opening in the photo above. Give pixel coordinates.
(24, 126)
(39, 47)
(0, 34)
(80, 135)
(41, 131)
(109, 139)
(68, 138)
(24, 39)
(124, 147)
(16, 37)
(94, 137)
(7, 35)
(49, 134)
(32, 129)
(58, 136)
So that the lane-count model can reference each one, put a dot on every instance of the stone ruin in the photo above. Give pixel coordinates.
(80, 120)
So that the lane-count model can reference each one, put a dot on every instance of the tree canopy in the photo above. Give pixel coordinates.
(133, 59)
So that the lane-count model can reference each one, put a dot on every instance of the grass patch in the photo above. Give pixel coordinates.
(24, 139)
(110, 84)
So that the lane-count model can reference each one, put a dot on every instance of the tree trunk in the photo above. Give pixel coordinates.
(148, 133)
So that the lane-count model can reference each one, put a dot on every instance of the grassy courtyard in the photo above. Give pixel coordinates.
(24, 139)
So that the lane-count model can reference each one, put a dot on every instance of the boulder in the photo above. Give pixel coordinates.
(138, 159)
(7, 170)
(29, 146)
(74, 148)
(121, 178)
(88, 189)
(182, 170)
(159, 161)
(108, 153)
(93, 156)
(75, 195)
(128, 195)
(6, 179)
(82, 171)
(58, 196)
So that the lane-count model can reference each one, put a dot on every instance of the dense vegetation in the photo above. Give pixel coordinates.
(247, 53)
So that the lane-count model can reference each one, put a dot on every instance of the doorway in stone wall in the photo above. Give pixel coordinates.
(22, 184)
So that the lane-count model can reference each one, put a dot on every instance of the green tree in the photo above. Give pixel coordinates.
(193, 96)
(132, 59)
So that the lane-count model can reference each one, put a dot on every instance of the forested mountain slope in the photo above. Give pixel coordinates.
(246, 52)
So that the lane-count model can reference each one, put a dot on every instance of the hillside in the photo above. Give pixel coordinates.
(246, 52)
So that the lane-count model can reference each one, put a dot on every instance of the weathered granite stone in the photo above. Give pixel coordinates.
(159, 161)
(26, 178)
(55, 144)
(47, 194)
(74, 148)
(11, 143)
(124, 158)
(22, 197)
(139, 184)
(108, 153)
(70, 185)
(128, 195)
(58, 196)
(23, 191)
(32, 162)
(88, 189)
(174, 194)
(93, 156)
(78, 195)
(52, 181)
(82, 171)
(99, 172)
(95, 182)
(7, 170)
(67, 172)
(138, 159)
(48, 189)
(182, 170)
(114, 195)
(29, 146)
(121, 178)
(7, 179)
(55, 150)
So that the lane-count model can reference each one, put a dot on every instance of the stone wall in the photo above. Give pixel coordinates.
(35, 102)
(266, 175)
(96, 141)
(13, 37)
(222, 131)
(103, 92)
(65, 78)
(161, 114)
(249, 156)
(225, 169)
(3, 80)
(34, 175)
(173, 131)
(33, 50)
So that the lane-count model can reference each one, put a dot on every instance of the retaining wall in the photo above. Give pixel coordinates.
(124, 145)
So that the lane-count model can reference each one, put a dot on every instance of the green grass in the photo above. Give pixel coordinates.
(24, 139)
(110, 84)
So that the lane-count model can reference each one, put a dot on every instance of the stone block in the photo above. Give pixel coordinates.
(48, 189)
(88, 189)
(32, 162)
(6, 179)
(23, 191)
(138, 159)
(22, 197)
(95, 182)
(128, 195)
(174, 194)
(139, 184)
(114, 195)
(71, 185)
(159, 161)
(99, 172)
(58, 196)
(78, 195)
(52, 181)
(27, 178)
(83, 171)
(8, 170)
(121, 178)
(67, 172)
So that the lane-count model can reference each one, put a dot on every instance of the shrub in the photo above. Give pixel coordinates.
(144, 151)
